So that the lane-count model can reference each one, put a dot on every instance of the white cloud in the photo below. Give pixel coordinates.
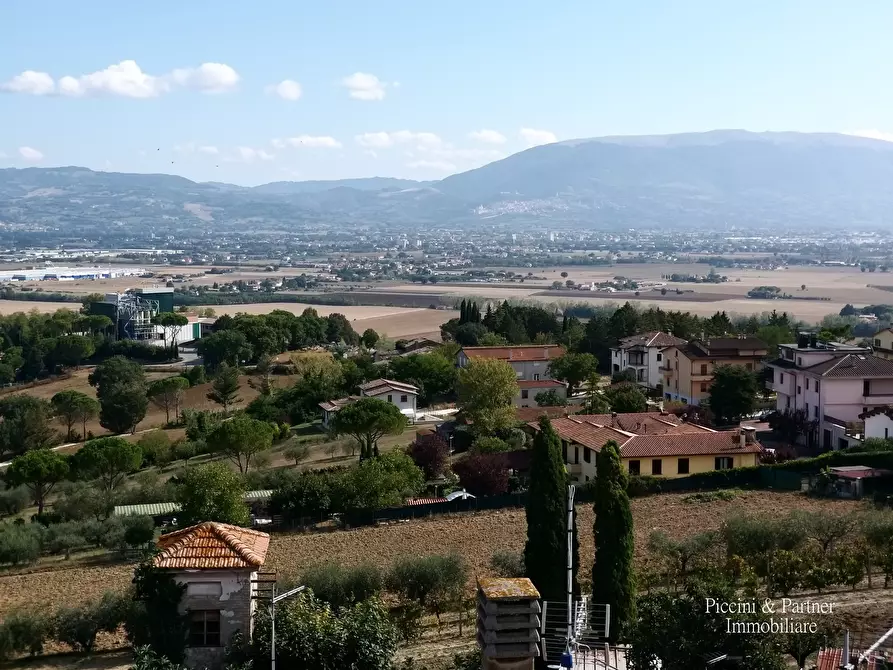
(364, 86)
(249, 155)
(127, 79)
(873, 134)
(30, 155)
(307, 141)
(287, 89)
(383, 140)
(208, 150)
(439, 166)
(488, 136)
(31, 83)
(207, 78)
(533, 137)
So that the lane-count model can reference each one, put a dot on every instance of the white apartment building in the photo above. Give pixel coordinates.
(833, 383)
(642, 355)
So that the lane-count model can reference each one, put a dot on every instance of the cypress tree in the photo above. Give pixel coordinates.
(613, 581)
(463, 312)
(545, 554)
(475, 313)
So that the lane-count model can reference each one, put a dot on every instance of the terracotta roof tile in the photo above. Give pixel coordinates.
(528, 414)
(721, 443)
(654, 338)
(212, 545)
(888, 410)
(531, 352)
(539, 383)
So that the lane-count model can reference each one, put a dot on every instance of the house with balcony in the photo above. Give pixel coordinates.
(688, 369)
(832, 385)
(530, 363)
(652, 443)
(642, 354)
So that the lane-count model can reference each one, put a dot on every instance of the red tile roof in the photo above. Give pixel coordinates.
(212, 545)
(888, 410)
(853, 365)
(832, 659)
(531, 352)
(426, 501)
(528, 414)
(539, 383)
(338, 403)
(649, 435)
(721, 443)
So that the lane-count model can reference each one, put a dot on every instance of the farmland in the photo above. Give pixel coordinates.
(474, 536)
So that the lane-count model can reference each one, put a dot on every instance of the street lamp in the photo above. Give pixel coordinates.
(451, 452)
(275, 599)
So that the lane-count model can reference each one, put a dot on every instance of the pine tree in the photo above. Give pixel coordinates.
(545, 554)
(613, 582)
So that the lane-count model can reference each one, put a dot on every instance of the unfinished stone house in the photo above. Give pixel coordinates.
(218, 563)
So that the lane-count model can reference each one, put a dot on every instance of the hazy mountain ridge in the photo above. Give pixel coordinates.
(691, 179)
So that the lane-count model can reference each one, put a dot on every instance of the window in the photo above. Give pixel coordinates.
(807, 409)
(656, 466)
(703, 368)
(815, 412)
(682, 466)
(703, 387)
(807, 383)
(799, 361)
(403, 398)
(660, 358)
(576, 454)
(390, 398)
(866, 387)
(722, 463)
(587, 454)
(877, 342)
(817, 387)
(213, 589)
(525, 394)
(886, 433)
(634, 467)
(798, 389)
(536, 376)
(781, 378)
(787, 402)
(204, 628)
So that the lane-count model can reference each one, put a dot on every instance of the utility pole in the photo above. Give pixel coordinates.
(275, 599)
(567, 658)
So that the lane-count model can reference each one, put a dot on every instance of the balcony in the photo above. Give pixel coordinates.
(575, 469)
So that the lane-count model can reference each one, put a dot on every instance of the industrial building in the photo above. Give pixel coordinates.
(52, 272)
(132, 313)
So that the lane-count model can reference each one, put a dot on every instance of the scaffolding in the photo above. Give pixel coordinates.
(134, 315)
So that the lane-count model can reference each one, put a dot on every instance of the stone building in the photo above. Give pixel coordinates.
(218, 563)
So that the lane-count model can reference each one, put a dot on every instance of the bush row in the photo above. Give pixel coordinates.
(23, 543)
(26, 632)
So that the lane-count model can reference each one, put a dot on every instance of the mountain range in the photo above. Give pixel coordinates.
(714, 179)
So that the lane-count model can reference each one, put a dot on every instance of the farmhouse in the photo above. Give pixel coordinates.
(652, 443)
(831, 384)
(218, 563)
(531, 366)
(643, 355)
(404, 396)
(688, 368)
(883, 343)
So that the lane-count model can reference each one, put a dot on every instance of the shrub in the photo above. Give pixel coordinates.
(13, 501)
(63, 538)
(489, 445)
(483, 474)
(138, 531)
(435, 582)
(643, 485)
(20, 543)
(156, 446)
(24, 632)
(78, 626)
(508, 564)
(196, 375)
(342, 586)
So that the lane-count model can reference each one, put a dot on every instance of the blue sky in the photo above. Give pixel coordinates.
(398, 88)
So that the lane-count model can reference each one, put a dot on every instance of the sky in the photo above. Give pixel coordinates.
(250, 93)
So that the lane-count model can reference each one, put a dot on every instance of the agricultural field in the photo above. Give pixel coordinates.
(474, 536)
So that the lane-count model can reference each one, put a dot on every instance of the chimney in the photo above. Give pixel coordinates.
(511, 351)
(742, 439)
(545, 352)
(750, 434)
(613, 418)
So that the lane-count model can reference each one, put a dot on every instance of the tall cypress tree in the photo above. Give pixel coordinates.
(463, 312)
(613, 581)
(545, 554)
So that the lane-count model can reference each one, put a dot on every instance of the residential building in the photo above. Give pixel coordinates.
(832, 384)
(529, 388)
(878, 422)
(882, 343)
(643, 355)
(218, 563)
(404, 396)
(531, 365)
(688, 368)
(652, 443)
